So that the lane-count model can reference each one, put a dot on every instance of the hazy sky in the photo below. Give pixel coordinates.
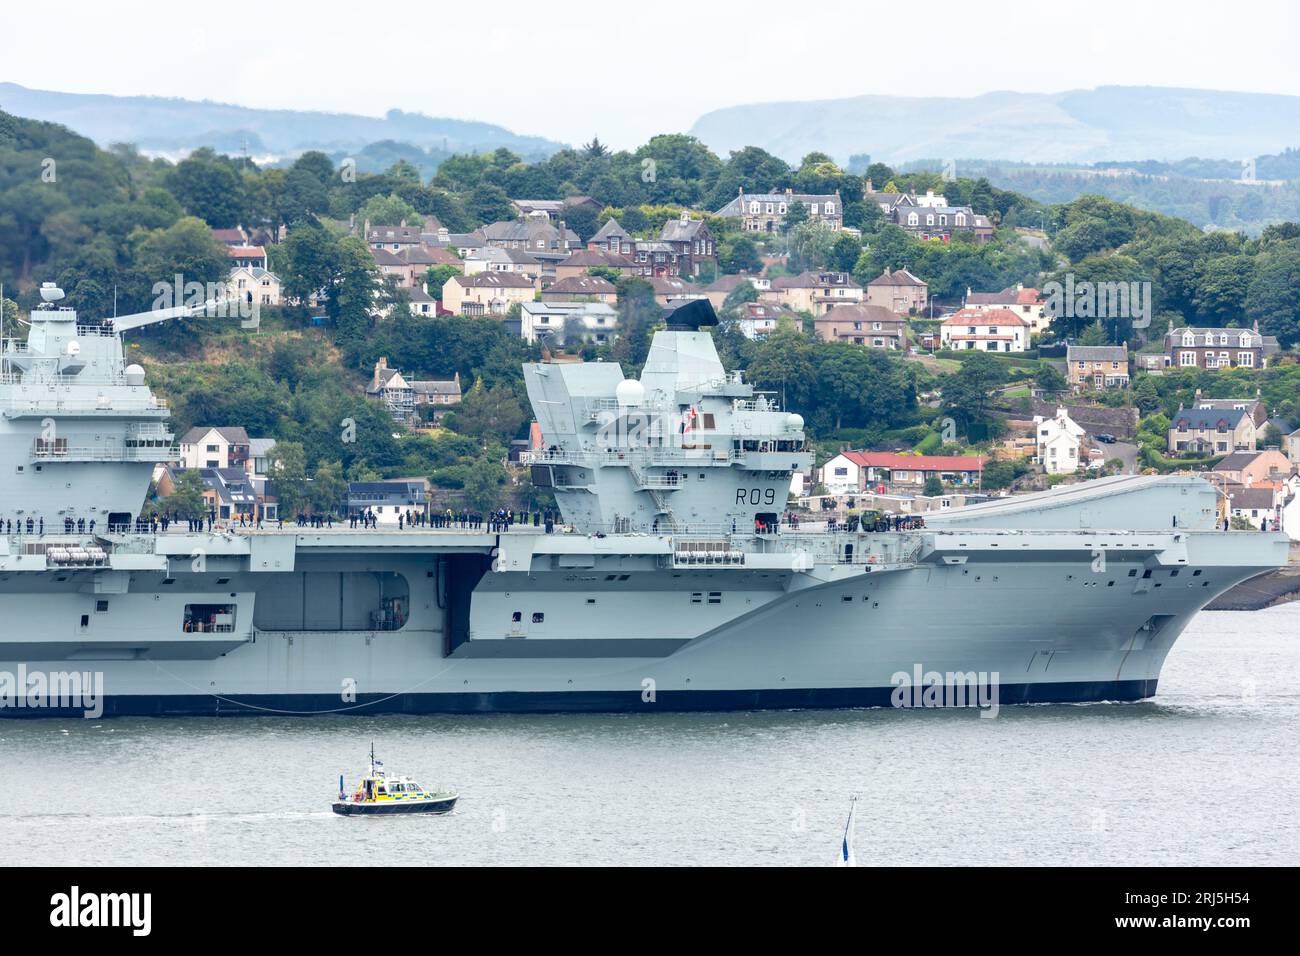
(627, 71)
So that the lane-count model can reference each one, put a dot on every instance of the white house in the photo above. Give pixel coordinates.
(844, 474)
(557, 321)
(1256, 505)
(213, 447)
(1029, 304)
(990, 330)
(255, 284)
(1059, 441)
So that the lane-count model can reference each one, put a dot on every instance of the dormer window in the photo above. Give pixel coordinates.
(830, 209)
(929, 219)
(913, 219)
(961, 219)
(1245, 340)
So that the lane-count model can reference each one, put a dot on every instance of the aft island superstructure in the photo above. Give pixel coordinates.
(674, 585)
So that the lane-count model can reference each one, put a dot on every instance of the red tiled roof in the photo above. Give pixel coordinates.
(987, 317)
(247, 252)
(894, 461)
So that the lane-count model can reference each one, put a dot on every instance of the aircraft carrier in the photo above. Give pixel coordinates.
(673, 583)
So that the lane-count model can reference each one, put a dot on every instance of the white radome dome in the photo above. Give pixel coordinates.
(134, 375)
(74, 348)
(629, 393)
(794, 422)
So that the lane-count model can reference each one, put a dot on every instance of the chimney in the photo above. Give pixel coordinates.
(740, 190)
(868, 188)
(365, 230)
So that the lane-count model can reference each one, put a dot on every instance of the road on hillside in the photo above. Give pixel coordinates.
(1124, 452)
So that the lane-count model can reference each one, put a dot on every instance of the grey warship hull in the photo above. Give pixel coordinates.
(641, 630)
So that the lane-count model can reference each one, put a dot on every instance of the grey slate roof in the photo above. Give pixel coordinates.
(1096, 353)
(1195, 419)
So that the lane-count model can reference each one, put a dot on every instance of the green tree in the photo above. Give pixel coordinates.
(844, 253)
(933, 486)
(1049, 378)
(390, 210)
(288, 474)
(966, 391)
(488, 414)
(435, 277)
(1146, 395)
(328, 488)
(186, 499)
(1272, 298)
(1094, 334)
(208, 186)
(739, 255)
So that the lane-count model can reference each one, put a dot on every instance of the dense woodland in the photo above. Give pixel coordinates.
(108, 224)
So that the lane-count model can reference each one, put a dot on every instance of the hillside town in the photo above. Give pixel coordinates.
(1067, 413)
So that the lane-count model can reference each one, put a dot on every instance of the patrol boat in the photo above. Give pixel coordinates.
(675, 585)
(379, 794)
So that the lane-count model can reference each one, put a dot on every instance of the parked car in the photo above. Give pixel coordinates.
(1107, 439)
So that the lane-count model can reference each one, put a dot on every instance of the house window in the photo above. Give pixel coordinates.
(813, 208)
(1187, 358)
(830, 209)
(1246, 359)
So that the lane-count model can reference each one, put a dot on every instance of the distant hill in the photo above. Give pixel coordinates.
(1107, 123)
(171, 126)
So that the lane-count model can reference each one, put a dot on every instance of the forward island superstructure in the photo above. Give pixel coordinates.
(675, 586)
